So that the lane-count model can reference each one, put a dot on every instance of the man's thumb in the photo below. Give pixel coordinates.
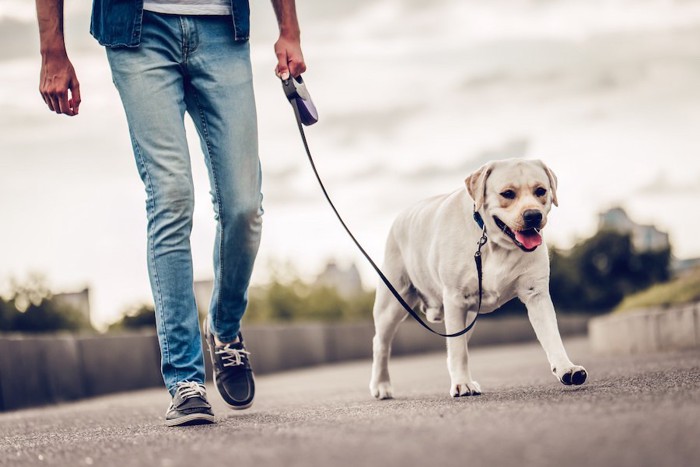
(282, 72)
(282, 69)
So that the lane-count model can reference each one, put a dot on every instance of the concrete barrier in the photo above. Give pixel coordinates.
(348, 341)
(49, 369)
(38, 370)
(63, 369)
(647, 330)
(119, 363)
(23, 384)
(279, 347)
(503, 330)
(678, 328)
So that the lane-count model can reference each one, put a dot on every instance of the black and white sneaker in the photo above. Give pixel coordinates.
(233, 374)
(189, 406)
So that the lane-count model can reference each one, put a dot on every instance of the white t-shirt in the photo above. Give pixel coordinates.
(189, 7)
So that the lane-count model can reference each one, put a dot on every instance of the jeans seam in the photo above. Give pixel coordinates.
(220, 270)
(184, 46)
(151, 206)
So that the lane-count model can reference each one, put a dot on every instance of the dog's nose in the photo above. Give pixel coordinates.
(532, 218)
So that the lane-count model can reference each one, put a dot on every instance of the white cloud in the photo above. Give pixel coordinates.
(19, 10)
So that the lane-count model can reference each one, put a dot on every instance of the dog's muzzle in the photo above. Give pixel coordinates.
(527, 240)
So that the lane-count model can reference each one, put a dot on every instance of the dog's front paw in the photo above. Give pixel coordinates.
(381, 390)
(575, 375)
(462, 388)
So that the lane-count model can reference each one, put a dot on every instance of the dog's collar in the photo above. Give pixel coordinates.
(478, 219)
(484, 238)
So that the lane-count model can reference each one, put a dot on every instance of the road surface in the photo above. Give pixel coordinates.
(634, 411)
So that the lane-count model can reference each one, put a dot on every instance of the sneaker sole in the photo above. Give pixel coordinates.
(211, 357)
(192, 419)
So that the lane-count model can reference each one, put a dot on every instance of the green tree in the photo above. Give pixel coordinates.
(32, 291)
(47, 317)
(598, 272)
(136, 317)
(297, 300)
(30, 309)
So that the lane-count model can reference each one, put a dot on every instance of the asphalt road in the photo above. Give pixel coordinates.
(633, 411)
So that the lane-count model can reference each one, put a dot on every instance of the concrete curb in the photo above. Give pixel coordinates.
(48, 369)
(647, 330)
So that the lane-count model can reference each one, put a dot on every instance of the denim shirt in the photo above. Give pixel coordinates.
(117, 23)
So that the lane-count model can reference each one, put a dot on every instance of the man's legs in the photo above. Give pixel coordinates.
(219, 97)
(151, 82)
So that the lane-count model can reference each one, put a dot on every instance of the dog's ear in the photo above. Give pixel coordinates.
(476, 184)
(552, 183)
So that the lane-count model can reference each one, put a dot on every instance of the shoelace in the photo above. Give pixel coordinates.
(232, 356)
(189, 389)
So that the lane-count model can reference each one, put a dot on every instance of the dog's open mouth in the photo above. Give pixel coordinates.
(527, 240)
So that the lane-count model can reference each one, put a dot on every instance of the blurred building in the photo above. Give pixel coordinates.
(78, 301)
(644, 237)
(346, 281)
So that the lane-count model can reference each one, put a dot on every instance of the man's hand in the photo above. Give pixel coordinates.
(58, 84)
(289, 57)
(290, 60)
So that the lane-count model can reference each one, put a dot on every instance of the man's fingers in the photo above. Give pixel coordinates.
(55, 103)
(282, 74)
(297, 67)
(60, 106)
(281, 70)
(63, 106)
(63, 102)
(75, 98)
(46, 95)
(47, 100)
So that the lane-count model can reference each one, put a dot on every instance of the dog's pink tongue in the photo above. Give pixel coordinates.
(529, 240)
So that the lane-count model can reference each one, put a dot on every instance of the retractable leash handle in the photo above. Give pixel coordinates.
(306, 115)
(298, 96)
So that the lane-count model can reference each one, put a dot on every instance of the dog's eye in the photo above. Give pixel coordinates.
(540, 192)
(508, 194)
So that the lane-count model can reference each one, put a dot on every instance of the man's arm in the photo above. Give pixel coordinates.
(288, 46)
(57, 74)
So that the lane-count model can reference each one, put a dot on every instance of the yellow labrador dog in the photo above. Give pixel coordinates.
(428, 258)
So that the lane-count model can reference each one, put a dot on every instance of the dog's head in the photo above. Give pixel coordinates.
(514, 197)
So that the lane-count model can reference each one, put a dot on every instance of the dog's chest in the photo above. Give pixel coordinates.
(499, 281)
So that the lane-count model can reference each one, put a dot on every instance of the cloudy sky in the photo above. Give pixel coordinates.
(413, 95)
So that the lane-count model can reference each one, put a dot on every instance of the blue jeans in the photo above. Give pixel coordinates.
(192, 64)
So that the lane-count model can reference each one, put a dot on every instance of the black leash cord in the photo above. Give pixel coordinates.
(395, 293)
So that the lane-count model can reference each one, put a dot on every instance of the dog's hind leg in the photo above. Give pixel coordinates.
(388, 314)
(435, 314)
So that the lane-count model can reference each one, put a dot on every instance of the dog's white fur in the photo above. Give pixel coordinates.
(429, 255)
